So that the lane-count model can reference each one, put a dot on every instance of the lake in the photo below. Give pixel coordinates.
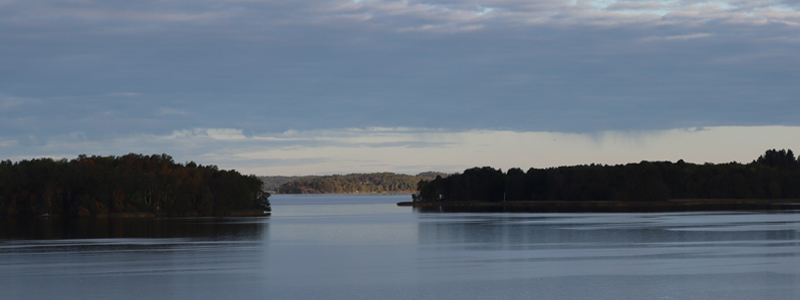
(366, 247)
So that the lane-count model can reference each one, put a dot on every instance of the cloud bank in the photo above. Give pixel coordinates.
(413, 150)
(429, 15)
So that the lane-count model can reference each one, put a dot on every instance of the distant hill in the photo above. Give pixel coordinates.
(271, 183)
(350, 183)
(433, 174)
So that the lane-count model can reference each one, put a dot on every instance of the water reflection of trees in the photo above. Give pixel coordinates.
(516, 232)
(91, 228)
(540, 231)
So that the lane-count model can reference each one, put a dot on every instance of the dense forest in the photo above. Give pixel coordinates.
(774, 175)
(271, 183)
(352, 183)
(432, 174)
(129, 185)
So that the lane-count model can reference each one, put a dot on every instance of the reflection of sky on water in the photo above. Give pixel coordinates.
(548, 245)
(341, 220)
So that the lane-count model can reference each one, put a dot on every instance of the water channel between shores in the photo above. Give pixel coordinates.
(368, 247)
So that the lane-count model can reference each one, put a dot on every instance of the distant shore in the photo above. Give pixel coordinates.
(674, 205)
(350, 193)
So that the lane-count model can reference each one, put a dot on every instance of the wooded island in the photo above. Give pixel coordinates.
(385, 182)
(772, 178)
(132, 185)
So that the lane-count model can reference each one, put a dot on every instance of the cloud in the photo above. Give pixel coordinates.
(412, 150)
(114, 69)
(9, 102)
(677, 37)
(429, 15)
(8, 143)
(92, 11)
(488, 13)
(166, 111)
(647, 6)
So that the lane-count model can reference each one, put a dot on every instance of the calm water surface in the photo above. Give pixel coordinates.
(365, 247)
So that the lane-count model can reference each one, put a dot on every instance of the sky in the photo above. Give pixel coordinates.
(329, 87)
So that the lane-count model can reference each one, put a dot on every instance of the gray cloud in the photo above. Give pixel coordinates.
(118, 68)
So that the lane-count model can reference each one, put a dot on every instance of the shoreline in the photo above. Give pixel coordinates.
(674, 205)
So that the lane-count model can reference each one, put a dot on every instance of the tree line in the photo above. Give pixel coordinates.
(773, 175)
(130, 184)
(271, 183)
(351, 183)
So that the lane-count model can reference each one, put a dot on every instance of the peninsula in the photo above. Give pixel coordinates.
(132, 185)
(772, 181)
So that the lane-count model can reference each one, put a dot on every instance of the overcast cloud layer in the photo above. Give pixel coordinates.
(412, 150)
(86, 75)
